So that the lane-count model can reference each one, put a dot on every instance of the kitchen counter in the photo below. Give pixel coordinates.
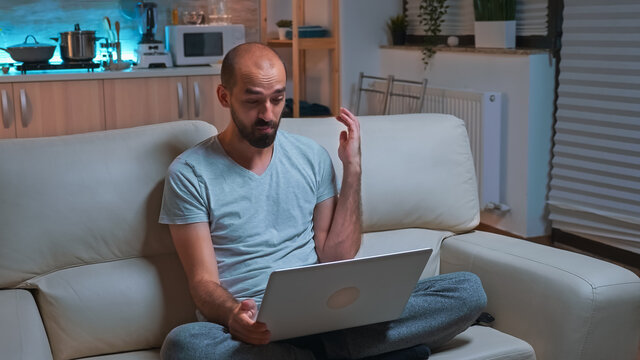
(15, 76)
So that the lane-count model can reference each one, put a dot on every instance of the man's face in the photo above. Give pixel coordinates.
(256, 103)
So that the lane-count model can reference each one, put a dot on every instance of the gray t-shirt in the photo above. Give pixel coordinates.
(258, 223)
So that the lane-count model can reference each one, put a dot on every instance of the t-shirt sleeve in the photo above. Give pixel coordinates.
(327, 177)
(183, 201)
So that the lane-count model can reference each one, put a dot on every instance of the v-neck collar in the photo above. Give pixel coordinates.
(245, 170)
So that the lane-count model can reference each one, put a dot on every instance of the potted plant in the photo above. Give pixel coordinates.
(397, 26)
(495, 25)
(432, 14)
(283, 25)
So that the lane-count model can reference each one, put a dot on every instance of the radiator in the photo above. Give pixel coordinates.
(482, 115)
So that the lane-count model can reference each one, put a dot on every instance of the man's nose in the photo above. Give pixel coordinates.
(266, 112)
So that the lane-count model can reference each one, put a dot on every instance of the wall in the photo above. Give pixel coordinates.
(527, 83)
(45, 19)
(361, 40)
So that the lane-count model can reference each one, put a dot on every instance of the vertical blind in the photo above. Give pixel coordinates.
(595, 179)
(531, 17)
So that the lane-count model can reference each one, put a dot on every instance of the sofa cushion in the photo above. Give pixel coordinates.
(484, 343)
(385, 242)
(86, 198)
(114, 306)
(417, 169)
(134, 355)
(22, 335)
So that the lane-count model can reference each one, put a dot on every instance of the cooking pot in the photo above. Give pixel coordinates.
(77, 45)
(31, 52)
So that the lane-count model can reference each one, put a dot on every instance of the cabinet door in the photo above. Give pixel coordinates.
(203, 101)
(54, 108)
(143, 101)
(7, 115)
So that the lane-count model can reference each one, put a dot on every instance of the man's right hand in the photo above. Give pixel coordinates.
(242, 325)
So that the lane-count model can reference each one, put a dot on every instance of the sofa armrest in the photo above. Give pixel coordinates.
(22, 334)
(566, 305)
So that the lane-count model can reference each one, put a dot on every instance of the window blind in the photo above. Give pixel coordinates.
(595, 179)
(531, 17)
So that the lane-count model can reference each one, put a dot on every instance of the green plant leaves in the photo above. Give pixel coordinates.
(431, 19)
(494, 10)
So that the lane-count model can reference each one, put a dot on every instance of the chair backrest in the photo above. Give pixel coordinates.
(379, 96)
(382, 92)
(414, 100)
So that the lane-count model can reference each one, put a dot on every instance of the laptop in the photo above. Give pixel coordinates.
(331, 296)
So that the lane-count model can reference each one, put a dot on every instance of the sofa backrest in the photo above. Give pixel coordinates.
(78, 220)
(417, 169)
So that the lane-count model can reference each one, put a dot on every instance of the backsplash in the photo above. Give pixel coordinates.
(46, 19)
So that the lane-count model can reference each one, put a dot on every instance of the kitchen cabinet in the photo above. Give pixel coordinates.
(36, 109)
(8, 125)
(142, 101)
(203, 101)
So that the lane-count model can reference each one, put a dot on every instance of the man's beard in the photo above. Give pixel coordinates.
(250, 133)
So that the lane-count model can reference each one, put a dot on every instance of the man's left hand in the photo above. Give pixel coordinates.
(349, 149)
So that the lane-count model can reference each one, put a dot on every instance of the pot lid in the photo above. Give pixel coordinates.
(76, 30)
(34, 44)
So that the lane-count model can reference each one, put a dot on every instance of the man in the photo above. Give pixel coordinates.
(251, 200)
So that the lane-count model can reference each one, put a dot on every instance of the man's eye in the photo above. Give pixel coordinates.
(278, 99)
(251, 102)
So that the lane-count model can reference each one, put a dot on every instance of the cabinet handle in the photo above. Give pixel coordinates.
(26, 116)
(196, 93)
(180, 101)
(7, 117)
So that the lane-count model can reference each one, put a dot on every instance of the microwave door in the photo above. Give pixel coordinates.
(205, 44)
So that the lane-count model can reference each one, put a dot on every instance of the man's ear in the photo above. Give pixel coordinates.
(223, 96)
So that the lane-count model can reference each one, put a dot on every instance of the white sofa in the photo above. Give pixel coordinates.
(86, 270)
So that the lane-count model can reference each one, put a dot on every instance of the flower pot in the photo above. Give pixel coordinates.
(495, 34)
(398, 37)
(282, 33)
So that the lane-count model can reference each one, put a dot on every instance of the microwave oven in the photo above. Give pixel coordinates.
(202, 44)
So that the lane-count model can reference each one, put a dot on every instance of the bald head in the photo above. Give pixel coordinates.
(247, 57)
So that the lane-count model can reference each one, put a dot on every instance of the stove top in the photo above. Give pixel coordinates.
(89, 65)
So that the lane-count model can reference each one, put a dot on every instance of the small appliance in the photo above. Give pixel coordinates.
(151, 52)
(202, 44)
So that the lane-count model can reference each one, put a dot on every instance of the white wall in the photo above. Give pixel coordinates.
(363, 30)
(527, 84)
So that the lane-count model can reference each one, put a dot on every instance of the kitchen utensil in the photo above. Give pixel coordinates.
(107, 27)
(78, 45)
(30, 52)
(118, 51)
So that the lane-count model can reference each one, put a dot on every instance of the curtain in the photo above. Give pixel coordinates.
(595, 177)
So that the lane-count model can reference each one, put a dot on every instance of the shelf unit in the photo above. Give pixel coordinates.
(299, 47)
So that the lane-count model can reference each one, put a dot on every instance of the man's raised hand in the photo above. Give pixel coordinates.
(349, 149)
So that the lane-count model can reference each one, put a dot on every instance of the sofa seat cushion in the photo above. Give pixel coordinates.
(153, 354)
(477, 343)
(484, 343)
(385, 242)
(115, 306)
(22, 335)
